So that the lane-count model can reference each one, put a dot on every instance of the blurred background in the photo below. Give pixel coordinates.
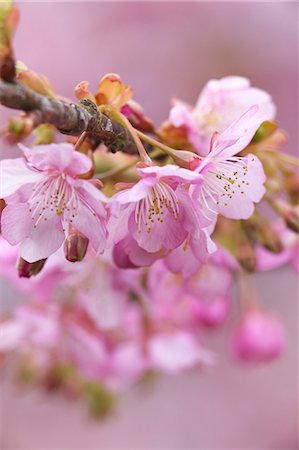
(166, 49)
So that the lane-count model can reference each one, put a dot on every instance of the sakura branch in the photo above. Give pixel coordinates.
(69, 118)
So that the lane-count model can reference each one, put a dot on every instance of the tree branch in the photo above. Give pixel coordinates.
(69, 118)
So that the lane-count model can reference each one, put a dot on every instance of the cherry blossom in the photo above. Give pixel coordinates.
(46, 199)
(219, 104)
(156, 215)
(232, 184)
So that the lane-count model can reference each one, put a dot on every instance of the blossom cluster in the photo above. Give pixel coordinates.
(168, 213)
(94, 326)
(157, 243)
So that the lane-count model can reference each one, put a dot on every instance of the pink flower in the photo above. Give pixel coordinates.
(156, 216)
(176, 351)
(202, 299)
(259, 337)
(30, 328)
(193, 253)
(128, 362)
(45, 199)
(84, 349)
(232, 184)
(219, 104)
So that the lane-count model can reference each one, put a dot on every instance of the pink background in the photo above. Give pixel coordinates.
(162, 50)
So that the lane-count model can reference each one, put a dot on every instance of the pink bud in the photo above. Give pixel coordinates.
(186, 159)
(75, 247)
(259, 337)
(214, 313)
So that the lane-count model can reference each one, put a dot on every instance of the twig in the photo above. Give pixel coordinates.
(69, 118)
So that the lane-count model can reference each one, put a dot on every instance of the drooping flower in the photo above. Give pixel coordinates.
(157, 213)
(259, 337)
(219, 104)
(232, 184)
(46, 199)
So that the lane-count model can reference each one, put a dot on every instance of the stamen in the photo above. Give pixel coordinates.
(152, 208)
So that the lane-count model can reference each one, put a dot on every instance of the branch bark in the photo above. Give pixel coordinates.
(69, 118)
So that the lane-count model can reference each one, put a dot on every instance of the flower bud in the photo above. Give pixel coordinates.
(261, 230)
(44, 134)
(265, 130)
(27, 269)
(214, 313)
(245, 255)
(135, 114)
(292, 187)
(289, 213)
(2, 205)
(100, 401)
(75, 247)
(18, 128)
(82, 91)
(186, 159)
(34, 81)
(259, 337)
(112, 91)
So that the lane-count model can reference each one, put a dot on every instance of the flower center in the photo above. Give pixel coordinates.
(151, 210)
(53, 196)
(224, 180)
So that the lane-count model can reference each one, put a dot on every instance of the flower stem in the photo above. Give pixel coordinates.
(119, 170)
(155, 143)
(282, 156)
(118, 116)
(80, 140)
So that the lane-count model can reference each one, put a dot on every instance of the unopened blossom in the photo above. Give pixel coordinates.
(259, 337)
(232, 184)
(157, 214)
(219, 104)
(46, 199)
(267, 260)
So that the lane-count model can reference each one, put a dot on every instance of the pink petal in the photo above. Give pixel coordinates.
(202, 245)
(16, 223)
(239, 134)
(61, 157)
(170, 171)
(241, 206)
(127, 253)
(166, 235)
(43, 240)
(134, 194)
(173, 352)
(118, 224)
(14, 175)
(91, 226)
(181, 116)
(79, 164)
(12, 334)
(183, 261)
(91, 196)
(225, 100)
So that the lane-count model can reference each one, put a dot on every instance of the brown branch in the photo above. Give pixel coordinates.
(69, 118)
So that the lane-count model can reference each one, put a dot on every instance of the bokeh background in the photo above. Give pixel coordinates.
(166, 49)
